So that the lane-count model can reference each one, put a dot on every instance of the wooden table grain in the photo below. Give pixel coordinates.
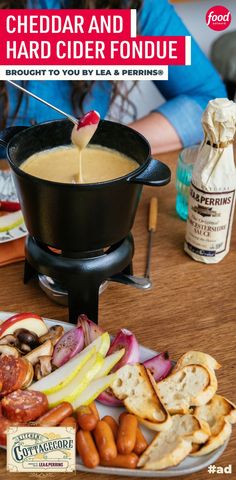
(191, 305)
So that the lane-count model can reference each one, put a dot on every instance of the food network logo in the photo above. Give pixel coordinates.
(218, 17)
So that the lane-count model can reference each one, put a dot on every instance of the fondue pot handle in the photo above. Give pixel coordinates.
(155, 174)
(8, 133)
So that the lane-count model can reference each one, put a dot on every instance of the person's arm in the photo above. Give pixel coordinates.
(161, 135)
(177, 122)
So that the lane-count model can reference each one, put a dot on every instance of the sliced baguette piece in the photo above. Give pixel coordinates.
(171, 447)
(135, 385)
(190, 428)
(195, 447)
(192, 385)
(217, 408)
(230, 407)
(165, 453)
(199, 358)
(215, 441)
(219, 413)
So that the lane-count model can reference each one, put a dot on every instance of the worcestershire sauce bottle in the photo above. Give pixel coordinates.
(212, 191)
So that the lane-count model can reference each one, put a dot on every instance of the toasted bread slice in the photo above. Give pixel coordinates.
(229, 408)
(215, 441)
(170, 447)
(217, 408)
(190, 427)
(219, 413)
(164, 453)
(135, 385)
(199, 358)
(195, 447)
(192, 385)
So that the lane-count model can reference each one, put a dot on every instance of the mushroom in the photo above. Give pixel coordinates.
(27, 340)
(10, 340)
(54, 334)
(8, 350)
(24, 348)
(43, 367)
(45, 349)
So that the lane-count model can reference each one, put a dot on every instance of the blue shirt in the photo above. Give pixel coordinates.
(187, 91)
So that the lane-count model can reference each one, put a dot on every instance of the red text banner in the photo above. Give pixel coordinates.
(83, 38)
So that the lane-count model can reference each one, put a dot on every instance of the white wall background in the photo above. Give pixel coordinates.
(146, 96)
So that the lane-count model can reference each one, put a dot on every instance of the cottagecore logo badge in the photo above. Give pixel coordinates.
(218, 17)
(41, 449)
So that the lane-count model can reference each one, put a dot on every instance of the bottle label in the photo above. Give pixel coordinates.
(209, 221)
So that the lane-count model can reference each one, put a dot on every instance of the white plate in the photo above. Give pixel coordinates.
(13, 234)
(8, 192)
(188, 466)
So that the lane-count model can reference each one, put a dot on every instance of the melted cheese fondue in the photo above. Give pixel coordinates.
(60, 164)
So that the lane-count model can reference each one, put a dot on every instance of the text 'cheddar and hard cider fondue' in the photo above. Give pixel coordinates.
(79, 163)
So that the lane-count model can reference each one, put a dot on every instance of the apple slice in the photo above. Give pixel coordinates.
(80, 381)
(30, 321)
(93, 390)
(109, 362)
(11, 220)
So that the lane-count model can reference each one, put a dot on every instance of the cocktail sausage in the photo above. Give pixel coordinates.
(86, 418)
(69, 422)
(105, 441)
(55, 416)
(140, 443)
(86, 449)
(112, 423)
(122, 461)
(126, 436)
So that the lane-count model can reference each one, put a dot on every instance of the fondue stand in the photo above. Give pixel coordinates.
(80, 275)
(78, 279)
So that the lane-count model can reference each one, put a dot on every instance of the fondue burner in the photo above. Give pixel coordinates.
(79, 274)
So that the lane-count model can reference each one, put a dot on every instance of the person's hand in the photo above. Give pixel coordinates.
(4, 164)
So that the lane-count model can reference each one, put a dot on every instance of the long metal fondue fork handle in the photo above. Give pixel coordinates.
(152, 225)
(70, 117)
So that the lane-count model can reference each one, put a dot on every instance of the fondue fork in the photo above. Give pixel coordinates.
(152, 226)
(70, 117)
(131, 280)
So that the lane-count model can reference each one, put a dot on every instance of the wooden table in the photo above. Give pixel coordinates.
(191, 305)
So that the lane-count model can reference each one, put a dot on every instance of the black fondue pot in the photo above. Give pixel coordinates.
(80, 218)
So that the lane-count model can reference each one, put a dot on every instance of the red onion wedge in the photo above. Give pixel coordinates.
(90, 329)
(107, 398)
(127, 340)
(160, 366)
(70, 344)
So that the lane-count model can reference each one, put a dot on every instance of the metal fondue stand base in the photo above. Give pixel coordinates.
(81, 274)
